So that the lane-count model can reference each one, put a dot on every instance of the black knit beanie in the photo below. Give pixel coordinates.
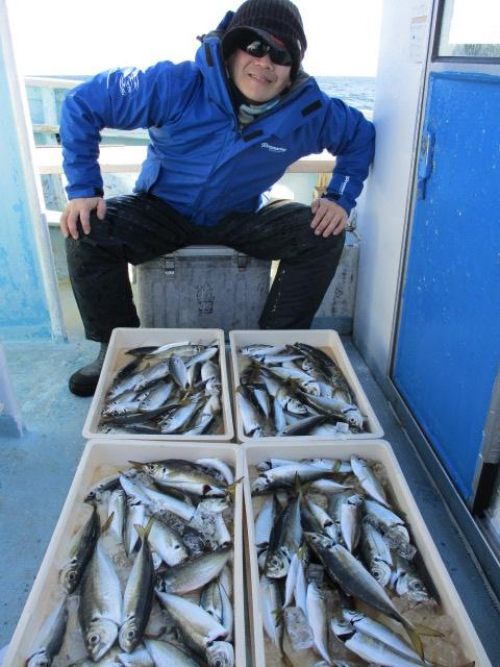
(280, 18)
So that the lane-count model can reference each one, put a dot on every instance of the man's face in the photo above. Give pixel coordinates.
(258, 79)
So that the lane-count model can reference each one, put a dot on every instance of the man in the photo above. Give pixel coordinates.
(223, 130)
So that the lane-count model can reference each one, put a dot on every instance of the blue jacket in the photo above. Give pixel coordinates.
(198, 159)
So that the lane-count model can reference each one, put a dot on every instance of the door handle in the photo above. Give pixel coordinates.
(425, 163)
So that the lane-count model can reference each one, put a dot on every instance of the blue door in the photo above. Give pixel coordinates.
(448, 345)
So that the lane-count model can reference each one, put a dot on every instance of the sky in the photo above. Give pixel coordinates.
(89, 36)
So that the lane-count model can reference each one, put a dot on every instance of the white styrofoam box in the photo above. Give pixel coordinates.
(378, 451)
(100, 459)
(327, 340)
(123, 339)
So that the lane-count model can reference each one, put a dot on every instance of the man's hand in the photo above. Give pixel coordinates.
(80, 209)
(329, 217)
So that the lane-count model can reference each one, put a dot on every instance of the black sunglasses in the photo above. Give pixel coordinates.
(258, 49)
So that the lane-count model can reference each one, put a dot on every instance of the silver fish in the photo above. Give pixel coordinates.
(136, 513)
(220, 654)
(186, 476)
(167, 543)
(290, 403)
(157, 396)
(370, 649)
(138, 596)
(353, 578)
(138, 658)
(220, 466)
(166, 653)
(285, 539)
(50, 637)
(407, 583)
(80, 553)
(179, 417)
(197, 627)
(178, 371)
(316, 617)
(350, 520)
(271, 603)
(157, 502)
(285, 476)
(383, 633)
(253, 425)
(195, 573)
(376, 553)
(368, 480)
(101, 604)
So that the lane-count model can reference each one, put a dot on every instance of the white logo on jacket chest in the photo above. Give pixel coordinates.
(129, 81)
(273, 149)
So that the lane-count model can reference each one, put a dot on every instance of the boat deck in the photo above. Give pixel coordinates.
(36, 471)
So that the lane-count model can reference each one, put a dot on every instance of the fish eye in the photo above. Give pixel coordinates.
(94, 639)
(131, 634)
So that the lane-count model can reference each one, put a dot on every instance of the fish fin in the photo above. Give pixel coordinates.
(107, 523)
(137, 465)
(426, 631)
(232, 487)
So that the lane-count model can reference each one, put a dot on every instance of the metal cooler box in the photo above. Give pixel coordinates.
(203, 287)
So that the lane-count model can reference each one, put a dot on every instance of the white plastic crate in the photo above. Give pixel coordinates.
(123, 339)
(327, 340)
(99, 460)
(378, 451)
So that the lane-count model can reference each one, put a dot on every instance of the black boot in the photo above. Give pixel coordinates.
(84, 381)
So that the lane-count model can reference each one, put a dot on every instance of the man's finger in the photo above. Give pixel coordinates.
(63, 224)
(101, 209)
(85, 220)
(72, 221)
(335, 227)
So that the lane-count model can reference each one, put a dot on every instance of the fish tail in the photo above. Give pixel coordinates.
(414, 637)
(143, 531)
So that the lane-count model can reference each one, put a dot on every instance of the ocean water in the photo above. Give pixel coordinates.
(357, 91)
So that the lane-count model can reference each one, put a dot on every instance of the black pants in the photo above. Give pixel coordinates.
(138, 228)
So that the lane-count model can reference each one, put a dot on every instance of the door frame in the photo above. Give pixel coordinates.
(464, 515)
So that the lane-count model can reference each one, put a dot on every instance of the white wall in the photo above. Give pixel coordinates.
(382, 209)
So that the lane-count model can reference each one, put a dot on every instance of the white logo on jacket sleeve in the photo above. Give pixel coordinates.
(273, 149)
(129, 81)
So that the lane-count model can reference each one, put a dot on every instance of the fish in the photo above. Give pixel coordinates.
(140, 657)
(81, 552)
(157, 502)
(50, 638)
(187, 476)
(376, 554)
(368, 626)
(285, 476)
(355, 580)
(371, 649)
(350, 520)
(369, 481)
(198, 628)
(285, 539)
(316, 616)
(253, 423)
(101, 604)
(138, 596)
(166, 653)
(194, 573)
(271, 603)
(167, 543)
